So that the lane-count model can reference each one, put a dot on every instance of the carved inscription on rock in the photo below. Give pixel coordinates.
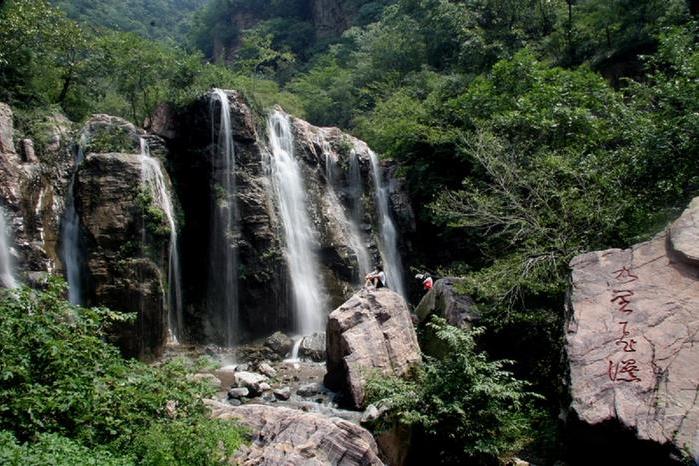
(632, 342)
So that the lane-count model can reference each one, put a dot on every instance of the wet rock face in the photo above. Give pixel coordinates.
(372, 332)
(336, 201)
(631, 343)
(108, 187)
(261, 264)
(293, 437)
(265, 291)
(33, 181)
(125, 249)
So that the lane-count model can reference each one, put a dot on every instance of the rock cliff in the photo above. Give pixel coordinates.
(632, 348)
(123, 235)
(33, 184)
(119, 239)
(336, 172)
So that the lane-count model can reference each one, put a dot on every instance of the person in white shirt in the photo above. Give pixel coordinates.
(377, 278)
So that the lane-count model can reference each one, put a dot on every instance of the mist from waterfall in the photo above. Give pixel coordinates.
(70, 234)
(153, 179)
(309, 299)
(392, 264)
(352, 223)
(223, 263)
(7, 278)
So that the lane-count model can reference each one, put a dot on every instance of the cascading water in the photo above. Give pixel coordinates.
(223, 272)
(355, 187)
(153, 180)
(393, 266)
(7, 278)
(70, 234)
(356, 193)
(356, 242)
(309, 298)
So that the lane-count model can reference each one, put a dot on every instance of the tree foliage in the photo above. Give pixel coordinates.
(154, 19)
(63, 386)
(469, 408)
(50, 59)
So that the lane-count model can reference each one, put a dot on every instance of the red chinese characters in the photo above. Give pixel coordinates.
(628, 345)
(623, 370)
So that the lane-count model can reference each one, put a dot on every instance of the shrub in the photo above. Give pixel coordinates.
(58, 376)
(55, 450)
(469, 408)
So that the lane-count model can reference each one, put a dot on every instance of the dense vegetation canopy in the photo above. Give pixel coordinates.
(155, 19)
(527, 132)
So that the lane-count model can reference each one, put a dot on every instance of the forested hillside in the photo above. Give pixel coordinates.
(525, 133)
(155, 19)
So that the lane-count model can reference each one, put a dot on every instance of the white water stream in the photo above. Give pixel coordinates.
(392, 264)
(300, 244)
(223, 271)
(70, 234)
(7, 278)
(153, 179)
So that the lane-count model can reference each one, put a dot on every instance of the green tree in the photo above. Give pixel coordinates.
(58, 376)
(469, 408)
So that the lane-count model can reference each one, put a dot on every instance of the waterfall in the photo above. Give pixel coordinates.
(356, 193)
(70, 247)
(355, 187)
(7, 279)
(223, 271)
(388, 246)
(330, 164)
(352, 224)
(153, 180)
(309, 299)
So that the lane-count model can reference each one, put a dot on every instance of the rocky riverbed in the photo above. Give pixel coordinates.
(274, 381)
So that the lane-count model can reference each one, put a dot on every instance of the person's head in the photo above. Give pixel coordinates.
(379, 268)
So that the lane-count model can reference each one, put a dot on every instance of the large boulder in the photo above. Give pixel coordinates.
(444, 300)
(370, 333)
(280, 343)
(292, 437)
(632, 350)
(684, 233)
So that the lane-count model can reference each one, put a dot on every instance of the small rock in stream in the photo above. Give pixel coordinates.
(310, 389)
(240, 392)
(267, 370)
(283, 393)
(252, 381)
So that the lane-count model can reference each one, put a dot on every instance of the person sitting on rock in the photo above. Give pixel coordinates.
(377, 278)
